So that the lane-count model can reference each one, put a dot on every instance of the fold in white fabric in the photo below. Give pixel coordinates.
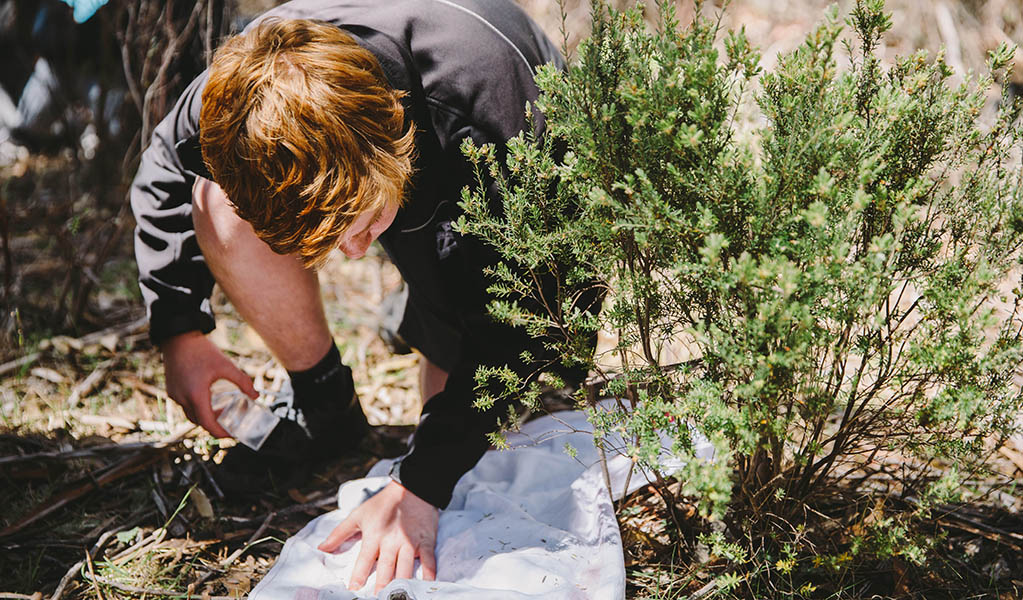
(526, 523)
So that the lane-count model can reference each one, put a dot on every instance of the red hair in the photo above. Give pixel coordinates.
(304, 134)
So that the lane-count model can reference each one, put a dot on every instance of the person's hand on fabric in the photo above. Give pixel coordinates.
(396, 526)
(191, 364)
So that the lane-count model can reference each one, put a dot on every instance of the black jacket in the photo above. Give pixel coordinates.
(468, 68)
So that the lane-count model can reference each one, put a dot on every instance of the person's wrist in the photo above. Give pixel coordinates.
(169, 344)
(400, 492)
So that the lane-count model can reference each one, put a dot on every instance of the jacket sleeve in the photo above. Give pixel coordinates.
(452, 433)
(175, 282)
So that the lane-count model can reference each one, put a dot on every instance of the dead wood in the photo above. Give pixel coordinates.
(92, 573)
(97, 547)
(85, 386)
(1015, 457)
(17, 363)
(118, 331)
(126, 467)
(175, 438)
(254, 539)
(156, 592)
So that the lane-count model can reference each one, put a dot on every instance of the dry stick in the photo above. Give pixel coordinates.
(19, 362)
(126, 467)
(92, 574)
(155, 537)
(135, 383)
(119, 330)
(208, 34)
(227, 562)
(704, 591)
(69, 454)
(151, 592)
(100, 543)
(170, 53)
(1015, 457)
(294, 508)
(87, 384)
(120, 221)
(126, 40)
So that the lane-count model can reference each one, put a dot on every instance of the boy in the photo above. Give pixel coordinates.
(329, 124)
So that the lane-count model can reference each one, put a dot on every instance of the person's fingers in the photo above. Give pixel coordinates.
(406, 565)
(364, 563)
(240, 379)
(190, 414)
(183, 401)
(342, 532)
(429, 562)
(385, 565)
(200, 398)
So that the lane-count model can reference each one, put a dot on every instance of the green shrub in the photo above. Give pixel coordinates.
(836, 273)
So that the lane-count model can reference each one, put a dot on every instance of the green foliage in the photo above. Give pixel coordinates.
(837, 273)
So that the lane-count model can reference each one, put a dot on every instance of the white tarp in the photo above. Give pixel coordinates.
(529, 522)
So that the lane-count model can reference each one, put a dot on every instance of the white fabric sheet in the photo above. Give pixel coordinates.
(525, 523)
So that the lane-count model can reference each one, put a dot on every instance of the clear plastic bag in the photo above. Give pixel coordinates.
(248, 421)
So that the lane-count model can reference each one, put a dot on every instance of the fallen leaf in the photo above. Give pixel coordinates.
(202, 503)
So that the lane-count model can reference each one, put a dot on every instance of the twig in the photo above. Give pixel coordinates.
(92, 574)
(704, 591)
(136, 383)
(122, 469)
(75, 568)
(108, 246)
(16, 596)
(19, 362)
(118, 330)
(170, 53)
(154, 592)
(294, 508)
(1015, 457)
(980, 529)
(126, 39)
(208, 34)
(155, 537)
(90, 382)
(122, 423)
(227, 562)
(175, 438)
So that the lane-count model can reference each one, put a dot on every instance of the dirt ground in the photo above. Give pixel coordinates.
(105, 489)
